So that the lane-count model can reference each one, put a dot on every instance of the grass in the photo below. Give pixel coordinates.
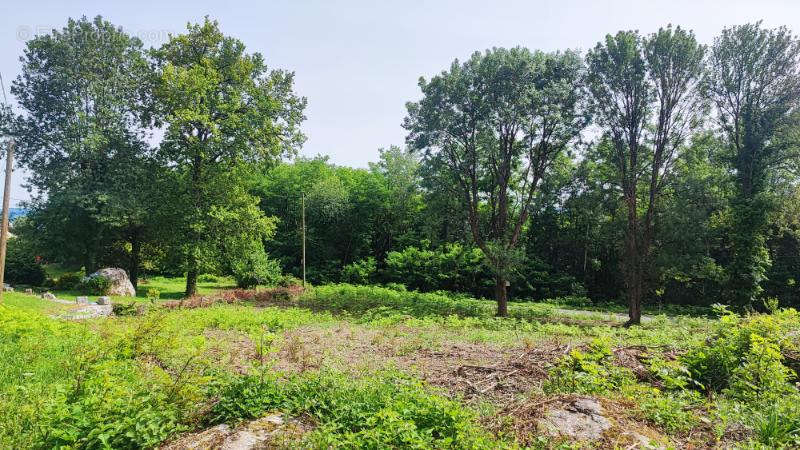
(348, 362)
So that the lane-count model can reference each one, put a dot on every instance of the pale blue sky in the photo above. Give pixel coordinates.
(358, 62)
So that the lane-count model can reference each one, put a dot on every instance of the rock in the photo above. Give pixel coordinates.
(8, 288)
(581, 420)
(104, 300)
(29, 291)
(120, 283)
(82, 300)
(48, 296)
(267, 432)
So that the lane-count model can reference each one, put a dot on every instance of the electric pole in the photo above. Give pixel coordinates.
(304, 238)
(4, 230)
(6, 198)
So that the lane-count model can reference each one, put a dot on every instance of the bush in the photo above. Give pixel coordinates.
(743, 350)
(452, 267)
(97, 285)
(22, 267)
(69, 281)
(288, 281)
(360, 272)
(208, 278)
(255, 269)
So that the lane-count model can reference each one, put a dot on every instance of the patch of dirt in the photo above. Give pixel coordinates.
(474, 371)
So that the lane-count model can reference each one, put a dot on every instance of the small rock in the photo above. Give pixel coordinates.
(29, 291)
(82, 300)
(8, 289)
(104, 300)
(48, 296)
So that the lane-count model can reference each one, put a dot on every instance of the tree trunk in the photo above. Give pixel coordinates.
(136, 256)
(635, 300)
(501, 295)
(191, 282)
(633, 268)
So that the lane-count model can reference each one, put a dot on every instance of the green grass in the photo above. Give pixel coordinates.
(170, 288)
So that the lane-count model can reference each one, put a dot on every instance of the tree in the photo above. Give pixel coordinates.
(224, 111)
(84, 91)
(753, 80)
(494, 124)
(630, 79)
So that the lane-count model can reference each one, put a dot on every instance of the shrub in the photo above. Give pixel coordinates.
(452, 267)
(208, 278)
(153, 294)
(744, 349)
(69, 281)
(289, 281)
(360, 272)
(98, 285)
(22, 267)
(255, 269)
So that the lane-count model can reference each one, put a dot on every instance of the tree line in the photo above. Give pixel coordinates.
(652, 168)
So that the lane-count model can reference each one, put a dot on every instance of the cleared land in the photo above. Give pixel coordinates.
(370, 367)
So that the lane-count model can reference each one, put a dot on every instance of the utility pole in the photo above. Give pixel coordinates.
(6, 198)
(4, 230)
(304, 238)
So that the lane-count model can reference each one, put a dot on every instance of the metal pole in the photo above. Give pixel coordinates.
(304, 239)
(4, 230)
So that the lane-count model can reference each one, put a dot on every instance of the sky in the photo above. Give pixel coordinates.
(358, 62)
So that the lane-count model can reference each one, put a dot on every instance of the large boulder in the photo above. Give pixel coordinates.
(120, 283)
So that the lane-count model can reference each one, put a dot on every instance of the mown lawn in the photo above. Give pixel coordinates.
(368, 367)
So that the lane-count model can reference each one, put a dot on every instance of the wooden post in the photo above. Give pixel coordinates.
(4, 229)
(304, 238)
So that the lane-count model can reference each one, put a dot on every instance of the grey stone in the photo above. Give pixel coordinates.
(82, 300)
(120, 283)
(29, 291)
(265, 432)
(582, 419)
(104, 300)
(8, 288)
(48, 296)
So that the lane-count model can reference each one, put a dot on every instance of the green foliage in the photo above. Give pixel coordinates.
(153, 294)
(375, 300)
(360, 272)
(22, 266)
(673, 411)
(207, 278)
(98, 285)
(255, 269)
(588, 372)
(744, 353)
(377, 411)
(69, 281)
(452, 267)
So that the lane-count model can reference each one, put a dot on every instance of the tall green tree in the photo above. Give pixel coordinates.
(224, 111)
(494, 124)
(754, 81)
(83, 93)
(643, 92)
